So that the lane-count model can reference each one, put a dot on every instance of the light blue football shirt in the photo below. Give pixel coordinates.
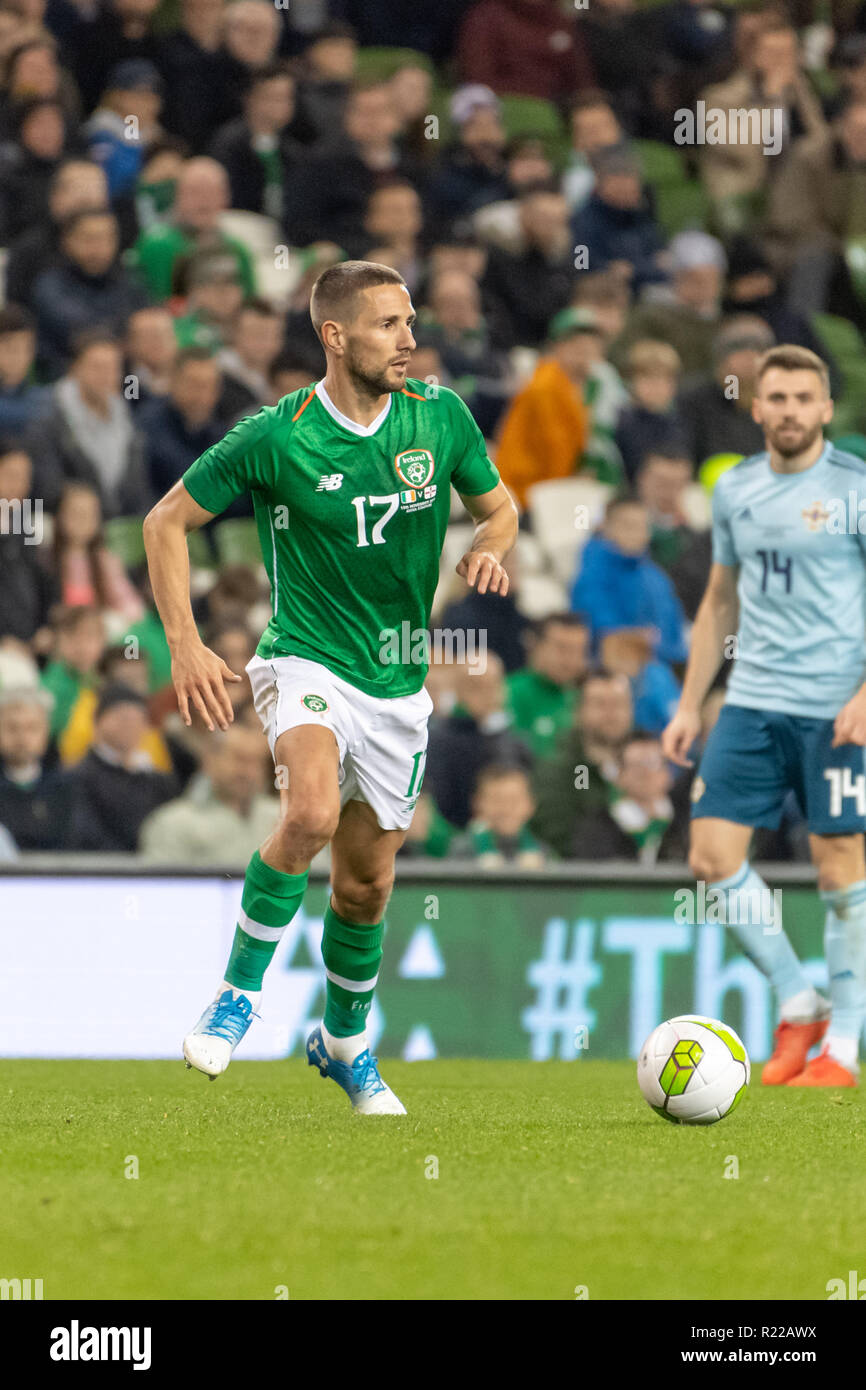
(801, 645)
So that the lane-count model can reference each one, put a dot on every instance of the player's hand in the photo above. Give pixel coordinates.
(199, 676)
(482, 571)
(679, 736)
(850, 725)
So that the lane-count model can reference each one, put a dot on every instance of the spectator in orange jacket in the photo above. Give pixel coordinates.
(546, 428)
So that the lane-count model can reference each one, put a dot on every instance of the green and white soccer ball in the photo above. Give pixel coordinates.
(693, 1070)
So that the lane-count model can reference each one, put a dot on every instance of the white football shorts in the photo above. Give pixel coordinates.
(382, 742)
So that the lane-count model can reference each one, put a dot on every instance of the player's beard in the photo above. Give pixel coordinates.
(789, 446)
(372, 381)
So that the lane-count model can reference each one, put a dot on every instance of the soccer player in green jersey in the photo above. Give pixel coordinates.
(351, 482)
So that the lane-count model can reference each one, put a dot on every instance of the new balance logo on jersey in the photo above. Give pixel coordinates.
(329, 482)
(745, 514)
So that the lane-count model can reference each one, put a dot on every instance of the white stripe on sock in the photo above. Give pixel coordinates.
(258, 929)
(355, 986)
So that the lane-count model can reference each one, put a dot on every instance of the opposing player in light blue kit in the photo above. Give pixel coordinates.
(789, 578)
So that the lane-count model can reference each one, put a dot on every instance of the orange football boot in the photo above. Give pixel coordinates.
(793, 1041)
(824, 1070)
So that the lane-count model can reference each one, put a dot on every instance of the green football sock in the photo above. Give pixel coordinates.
(269, 902)
(352, 953)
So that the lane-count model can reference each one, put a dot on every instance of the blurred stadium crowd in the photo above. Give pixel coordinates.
(174, 176)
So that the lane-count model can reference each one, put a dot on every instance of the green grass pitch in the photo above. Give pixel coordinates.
(551, 1176)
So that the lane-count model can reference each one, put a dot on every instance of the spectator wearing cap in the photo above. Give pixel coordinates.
(75, 184)
(125, 123)
(524, 290)
(717, 415)
(89, 434)
(686, 315)
(531, 47)
(116, 787)
(202, 195)
(326, 195)
(89, 289)
(473, 171)
(224, 815)
(547, 427)
(594, 126)
(21, 400)
(771, 80)
(182, 425)
(211, 283)
(651, 419)
(35, 795)
(326, 71)
(257, 148)
(616, 225)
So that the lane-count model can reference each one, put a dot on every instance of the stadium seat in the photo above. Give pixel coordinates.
(541, 594)
(201, 557)
(237, 542)
(855, 259)
(844, 342)
(458, 538)
(552, 508)
(381, 63)
(123, 537)
(696, 505)
(681, 201)
(531, 116)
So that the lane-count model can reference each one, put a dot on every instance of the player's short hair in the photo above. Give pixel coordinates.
(336, 290)
(790, 357)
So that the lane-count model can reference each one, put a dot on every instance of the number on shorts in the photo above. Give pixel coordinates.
(842, 784)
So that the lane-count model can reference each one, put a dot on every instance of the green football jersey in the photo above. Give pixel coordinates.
(351, 522)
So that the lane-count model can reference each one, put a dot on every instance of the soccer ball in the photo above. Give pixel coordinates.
(693, 1070)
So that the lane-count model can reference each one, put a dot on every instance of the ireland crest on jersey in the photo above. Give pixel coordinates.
(414, 467)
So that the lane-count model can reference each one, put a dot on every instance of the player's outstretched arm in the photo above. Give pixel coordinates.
(197, 673)
(495, 517)
(715, 622)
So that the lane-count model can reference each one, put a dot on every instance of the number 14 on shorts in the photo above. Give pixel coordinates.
(844, 784)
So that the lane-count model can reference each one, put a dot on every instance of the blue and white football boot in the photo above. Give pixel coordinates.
(361, 1081)
(210, 1045)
